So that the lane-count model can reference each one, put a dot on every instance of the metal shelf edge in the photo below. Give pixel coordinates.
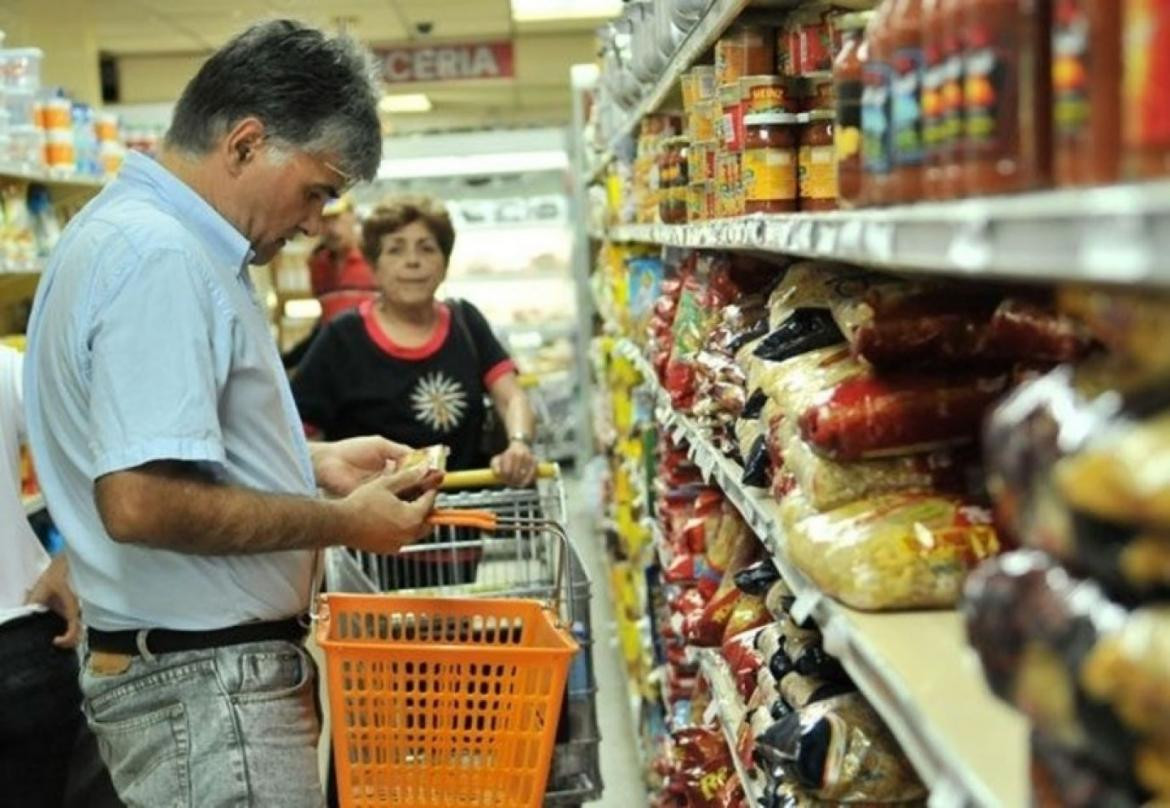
(720, 679)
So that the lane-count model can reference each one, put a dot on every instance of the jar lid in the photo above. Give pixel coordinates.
(676, 140)
(770, 119)
(770, 80)
(729, 93)
(700, 70)
(853, 22)
(820, 115)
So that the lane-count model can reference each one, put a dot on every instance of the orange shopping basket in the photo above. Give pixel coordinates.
(445, 701)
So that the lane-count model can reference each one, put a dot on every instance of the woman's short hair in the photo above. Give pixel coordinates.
(398, 212)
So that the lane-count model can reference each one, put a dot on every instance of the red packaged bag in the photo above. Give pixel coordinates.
(866, 416)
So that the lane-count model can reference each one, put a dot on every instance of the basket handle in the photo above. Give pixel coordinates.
(486, 478)
(454, 517)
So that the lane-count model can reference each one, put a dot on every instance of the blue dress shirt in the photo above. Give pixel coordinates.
(147, 343)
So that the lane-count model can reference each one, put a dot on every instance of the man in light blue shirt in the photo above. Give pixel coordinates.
(167, 443)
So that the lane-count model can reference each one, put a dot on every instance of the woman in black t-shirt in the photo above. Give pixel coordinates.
(410, 367)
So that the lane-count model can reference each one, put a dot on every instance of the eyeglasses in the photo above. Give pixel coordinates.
(347, 180)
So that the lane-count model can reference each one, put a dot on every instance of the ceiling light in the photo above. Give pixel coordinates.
(472, 165)
(544, 10)
(405, 102)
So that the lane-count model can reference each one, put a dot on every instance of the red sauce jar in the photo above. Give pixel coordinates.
(817, 163)
(1146, 100)
(876, 130)
(908, 154)
(1086, 91)
(1007, 95)
(847, 81)
(769, 167)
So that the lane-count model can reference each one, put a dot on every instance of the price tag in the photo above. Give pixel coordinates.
(1117, 248)
(945, 793)
(826, 238)
(712, 712)
(835, 636)
(779, 235)
(802, 236)
(849, 237)
(805, 605)
(706, 462)
(971, 248)
(878, 241)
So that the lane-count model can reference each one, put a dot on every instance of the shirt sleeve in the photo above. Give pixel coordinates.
(313, 386)
(494, 360)
(12, 390)
(155, 375)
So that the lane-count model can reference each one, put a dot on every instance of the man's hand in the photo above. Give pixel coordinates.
(52, 590)
(516, 465)
(342, 466)
(390, 510)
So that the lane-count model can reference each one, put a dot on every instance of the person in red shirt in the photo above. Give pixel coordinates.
(339, 275)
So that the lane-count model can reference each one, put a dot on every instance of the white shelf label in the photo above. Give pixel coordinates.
(878, 240)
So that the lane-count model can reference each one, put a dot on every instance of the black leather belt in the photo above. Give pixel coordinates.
(168, 641)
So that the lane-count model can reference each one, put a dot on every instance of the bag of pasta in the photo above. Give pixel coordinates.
(895, 551)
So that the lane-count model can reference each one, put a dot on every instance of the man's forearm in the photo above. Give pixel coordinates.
(167, 506)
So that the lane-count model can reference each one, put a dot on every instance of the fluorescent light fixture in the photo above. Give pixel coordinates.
(472, 165)
(405, 102)
(545, 10)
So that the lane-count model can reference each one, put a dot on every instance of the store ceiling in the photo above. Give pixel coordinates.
(137, 32)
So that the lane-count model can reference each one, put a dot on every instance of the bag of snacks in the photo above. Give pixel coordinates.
(895, 551)
(840, 750)
(817, 285)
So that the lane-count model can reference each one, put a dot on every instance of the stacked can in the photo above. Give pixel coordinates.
(110, 149)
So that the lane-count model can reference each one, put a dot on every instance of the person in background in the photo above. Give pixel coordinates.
(47, 755)
(412, 368)
(167, 443)
(339, 274)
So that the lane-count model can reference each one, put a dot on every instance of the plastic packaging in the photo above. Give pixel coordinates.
(869, 416)
(840, 750)
(896, 551)
(828, 484)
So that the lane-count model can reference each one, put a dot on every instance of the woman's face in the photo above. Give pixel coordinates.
(411, 266)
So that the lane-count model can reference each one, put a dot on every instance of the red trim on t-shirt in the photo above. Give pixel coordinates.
(500, 369)
(390, 347)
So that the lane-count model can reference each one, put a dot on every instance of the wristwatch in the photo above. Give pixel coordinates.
(520, 437)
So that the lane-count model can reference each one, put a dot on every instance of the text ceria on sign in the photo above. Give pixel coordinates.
(447, 62)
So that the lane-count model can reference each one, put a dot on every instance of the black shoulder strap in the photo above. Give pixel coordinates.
(459, 315)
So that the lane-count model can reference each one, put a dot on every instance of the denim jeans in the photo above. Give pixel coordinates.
(47, 755)
(230, 726)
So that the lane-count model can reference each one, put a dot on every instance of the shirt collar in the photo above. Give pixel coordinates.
(224, 240)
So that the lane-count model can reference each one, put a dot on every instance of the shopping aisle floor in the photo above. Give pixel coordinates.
(620, 768)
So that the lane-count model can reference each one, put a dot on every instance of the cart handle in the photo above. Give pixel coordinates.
(485, 478)
(454, 517)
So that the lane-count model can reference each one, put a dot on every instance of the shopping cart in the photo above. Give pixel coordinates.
(479, 565)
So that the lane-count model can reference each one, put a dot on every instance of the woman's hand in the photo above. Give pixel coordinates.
(342, 466)
(52, 590)
(516, 465)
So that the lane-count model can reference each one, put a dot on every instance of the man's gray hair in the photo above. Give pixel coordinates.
(312, 92)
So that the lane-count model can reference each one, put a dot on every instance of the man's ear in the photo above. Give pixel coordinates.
(242, 144)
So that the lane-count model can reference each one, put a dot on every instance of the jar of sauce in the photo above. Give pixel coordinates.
(817, 163)
(764, 94)
(1007, 97)
(847, 82)
(732, 126)
(876, 131)
(1146, 100)
(744, 50)
(1086, 91)
(906, 102)
(769, 167)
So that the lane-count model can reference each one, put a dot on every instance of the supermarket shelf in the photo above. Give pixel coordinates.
(729, 707)
(33, 504)
(35, 267)
(914, 667)
(718, 17)
(1117, 234)
(24, 174)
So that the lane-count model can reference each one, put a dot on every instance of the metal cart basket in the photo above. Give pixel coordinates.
(506, 562)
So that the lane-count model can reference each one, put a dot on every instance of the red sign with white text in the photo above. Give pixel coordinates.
(447, 62)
